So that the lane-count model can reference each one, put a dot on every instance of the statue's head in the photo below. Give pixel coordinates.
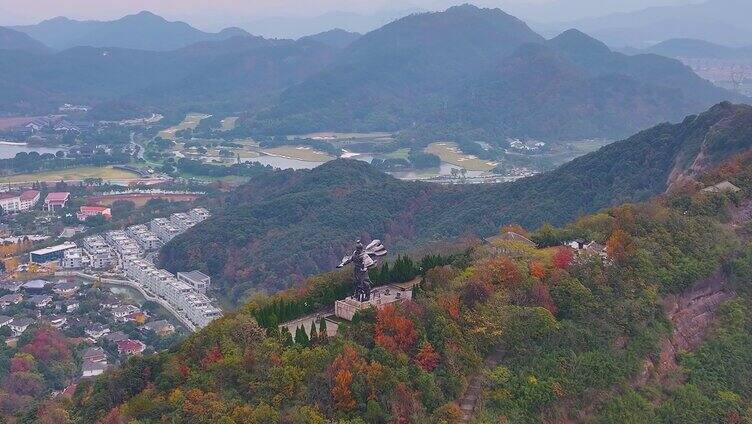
(358, 246)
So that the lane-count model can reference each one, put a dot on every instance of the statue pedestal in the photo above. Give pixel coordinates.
(380, 297)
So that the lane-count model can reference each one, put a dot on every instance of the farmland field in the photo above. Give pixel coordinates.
(300, 153)
(107, 173)
(450, 153)
(191, 121)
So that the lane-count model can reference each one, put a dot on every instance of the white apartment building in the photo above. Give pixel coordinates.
(99, 252)
(196, 279)
(72, 259)
(144, 237)
(164, 229)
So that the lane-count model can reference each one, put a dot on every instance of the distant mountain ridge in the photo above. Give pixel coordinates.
(337, 37)
(718, 21)
(696, 49)
(280, 228)
(16, 40)
(142, 31)
(469, 68)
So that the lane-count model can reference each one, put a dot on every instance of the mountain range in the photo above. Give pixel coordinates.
(718, 21)
(141, 31)
(695, 49)
(280, 228)
(469, 68)
(464, 72)
(15, 40)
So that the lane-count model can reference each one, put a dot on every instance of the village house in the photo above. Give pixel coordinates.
(65, 289)
(19, 325)
(87, 211)
(5, 320)
(93, 369)
(130, 347)
(161, 328)
(94, 354)
(40, 301)
(116, 337)
(96, 331)
(11, 299)
(57, 321)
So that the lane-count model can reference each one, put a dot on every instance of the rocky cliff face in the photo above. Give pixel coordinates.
(691, 314)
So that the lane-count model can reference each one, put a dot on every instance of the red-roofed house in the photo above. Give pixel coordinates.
(56, 200)
(130, 347)
(87, 211)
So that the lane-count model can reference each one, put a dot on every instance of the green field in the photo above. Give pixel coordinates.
(300, 153)
(106, 173)
(228, 124)
(191, 121)
(450, 153)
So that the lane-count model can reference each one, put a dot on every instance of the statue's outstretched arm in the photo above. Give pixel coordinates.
(345, 260)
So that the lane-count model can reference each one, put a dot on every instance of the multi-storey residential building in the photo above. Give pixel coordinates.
(164, 229)
(72, 259)
(196, 279)
(144, 237)
(99, 252)
(182, 221)
(19, 202)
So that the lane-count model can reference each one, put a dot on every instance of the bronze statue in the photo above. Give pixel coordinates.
(362, 259)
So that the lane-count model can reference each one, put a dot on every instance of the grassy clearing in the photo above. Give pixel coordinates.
(300, 153)
(335, 136)
(228, 124)
(398, 154)
(450, 153)
(107, 173)
(191, 121)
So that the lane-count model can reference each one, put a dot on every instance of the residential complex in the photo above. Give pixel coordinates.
(196, 306)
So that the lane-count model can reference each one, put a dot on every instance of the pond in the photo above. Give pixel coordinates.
(9, 150)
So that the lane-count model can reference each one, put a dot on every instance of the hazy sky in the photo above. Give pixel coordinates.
(211, 14)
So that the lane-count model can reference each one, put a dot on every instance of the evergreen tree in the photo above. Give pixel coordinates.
(322, 330)
(385, 275)
(314, 334)
(301, 337)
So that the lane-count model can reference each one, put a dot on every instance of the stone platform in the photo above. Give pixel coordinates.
(380, 297)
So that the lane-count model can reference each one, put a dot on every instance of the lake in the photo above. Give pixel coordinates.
(9, 150)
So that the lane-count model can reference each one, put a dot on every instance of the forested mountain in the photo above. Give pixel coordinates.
(338, 38)
(279, 229)
(15, 40)
(233, 73)
(466, 72)
(653, 328)
(142, 31)
(472, 70)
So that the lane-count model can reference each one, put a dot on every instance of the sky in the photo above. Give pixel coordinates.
(214, 14)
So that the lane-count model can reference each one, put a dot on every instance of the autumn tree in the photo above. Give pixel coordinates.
(542, 297)
(341, 371)
(475, 292)
(619, 246)
(563, 257)
(537, 270)
(427, 357)
(394, 332)
(499, 271)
